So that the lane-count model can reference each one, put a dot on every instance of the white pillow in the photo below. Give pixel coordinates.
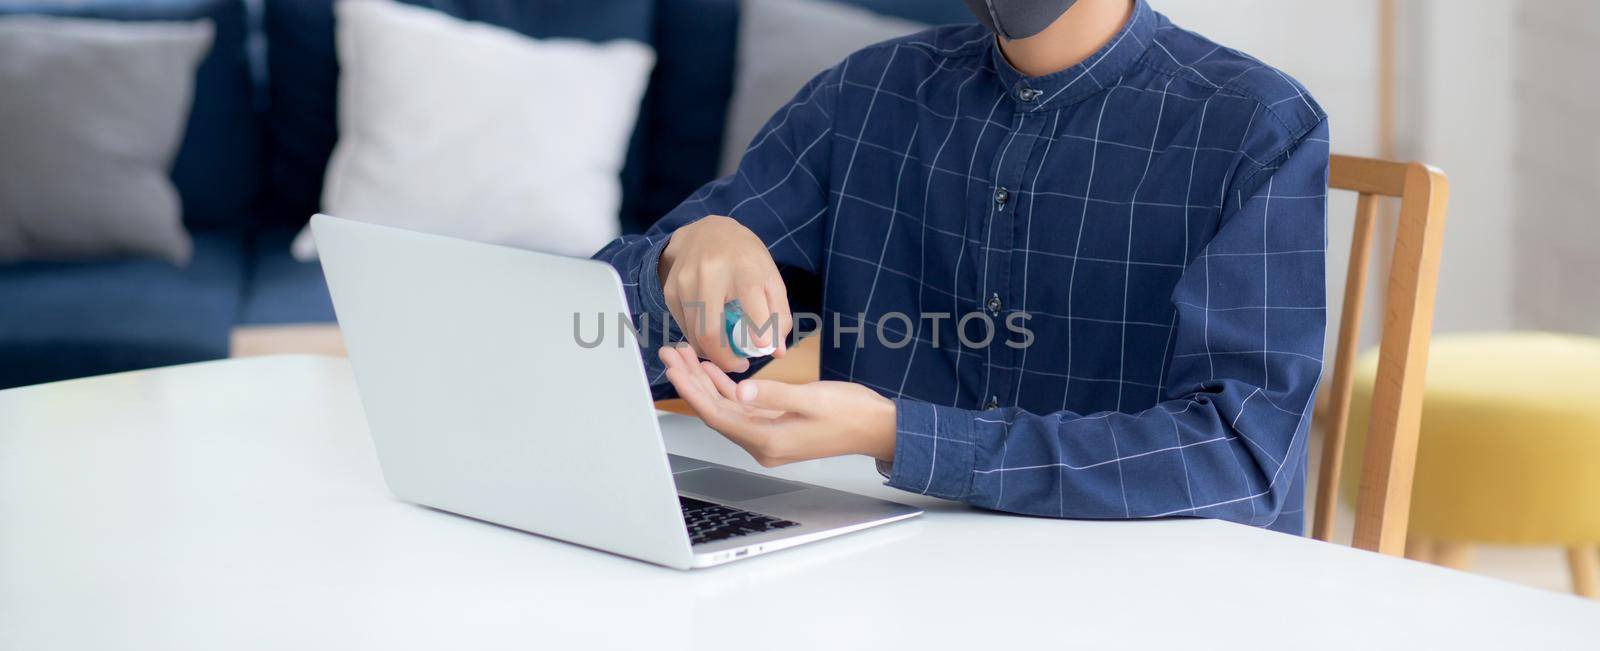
(91, 115)
(475, 131)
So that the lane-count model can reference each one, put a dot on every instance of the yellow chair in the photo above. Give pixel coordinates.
(1509, 450)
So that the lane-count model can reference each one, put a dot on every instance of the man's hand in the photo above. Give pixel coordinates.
(781, 423)
(713, 261)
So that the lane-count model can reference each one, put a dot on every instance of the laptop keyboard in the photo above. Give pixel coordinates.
(708, 522)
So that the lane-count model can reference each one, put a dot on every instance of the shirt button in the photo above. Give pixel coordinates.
(1027, 94)
(995, 304)
(1001, 196)
(993, 403)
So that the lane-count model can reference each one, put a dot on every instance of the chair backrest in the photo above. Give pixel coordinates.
(1383, 502)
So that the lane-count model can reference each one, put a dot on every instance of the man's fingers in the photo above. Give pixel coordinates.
(700, 395)
(683, 369)
(675, 354)
(676, 308)
(710, 339)
(694, 372)
(672, 355)
(686, 356)
(725, 385)
(682, 296)
(760, 328)
(694, 394)
(778, 298)
(730, 390)
(778, 396)
(722, 415)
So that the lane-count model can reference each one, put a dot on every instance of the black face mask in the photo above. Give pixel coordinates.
(1014, 19)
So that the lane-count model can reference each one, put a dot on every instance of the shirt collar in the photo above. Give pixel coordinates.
(1092, 75)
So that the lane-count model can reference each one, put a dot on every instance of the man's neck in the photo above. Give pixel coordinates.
(1075, 36)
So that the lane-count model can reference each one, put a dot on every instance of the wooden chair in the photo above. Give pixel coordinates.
(1384, 495)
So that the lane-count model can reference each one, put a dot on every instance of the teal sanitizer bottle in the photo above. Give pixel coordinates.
(738, 338)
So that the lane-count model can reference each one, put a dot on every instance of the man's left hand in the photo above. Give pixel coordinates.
(780, 423)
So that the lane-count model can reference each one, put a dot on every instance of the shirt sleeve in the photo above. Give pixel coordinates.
(1228, 439)
(779, 192)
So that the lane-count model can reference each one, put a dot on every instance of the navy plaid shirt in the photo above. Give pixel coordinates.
(1157, 212)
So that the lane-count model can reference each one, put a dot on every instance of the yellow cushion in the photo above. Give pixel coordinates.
(1510, 444)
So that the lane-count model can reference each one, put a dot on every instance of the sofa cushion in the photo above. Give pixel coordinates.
(281, 289)
(93, 114)
(64, 320)
(485, 135)
(688, 101)
(217, 168)
(303, 76)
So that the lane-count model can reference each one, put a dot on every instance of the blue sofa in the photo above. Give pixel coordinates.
(259, 135)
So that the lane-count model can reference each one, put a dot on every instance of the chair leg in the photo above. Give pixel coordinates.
(1453, 555)
(1419, 549)
(1584, 561)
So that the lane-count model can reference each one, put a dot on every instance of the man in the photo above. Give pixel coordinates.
(1148, 204)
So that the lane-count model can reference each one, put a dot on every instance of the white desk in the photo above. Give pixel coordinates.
(239, 505)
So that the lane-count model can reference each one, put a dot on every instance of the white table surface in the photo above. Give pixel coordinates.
(239, 504)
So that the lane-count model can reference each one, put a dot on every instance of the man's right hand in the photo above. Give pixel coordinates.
(713, 261)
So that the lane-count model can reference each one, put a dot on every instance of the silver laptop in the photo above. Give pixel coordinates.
(482, 401)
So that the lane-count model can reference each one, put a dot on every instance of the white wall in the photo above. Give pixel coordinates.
(1557, 176)
(1331, 47)
(1455, 111)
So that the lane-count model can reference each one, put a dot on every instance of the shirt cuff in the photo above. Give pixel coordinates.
(933, 450)
(651, 300)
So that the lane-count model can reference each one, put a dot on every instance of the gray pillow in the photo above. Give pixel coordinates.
(782, 45)
(91, 116)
